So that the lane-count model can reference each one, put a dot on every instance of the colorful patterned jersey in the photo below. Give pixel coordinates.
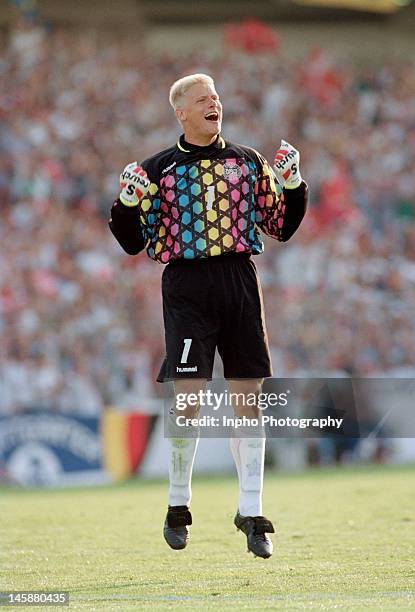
(208, 201)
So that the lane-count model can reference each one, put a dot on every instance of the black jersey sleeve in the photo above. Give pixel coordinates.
(278, 212)
(125, 224)
(132, 225)
(295, 202)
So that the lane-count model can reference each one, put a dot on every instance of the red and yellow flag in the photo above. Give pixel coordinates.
(124, 440)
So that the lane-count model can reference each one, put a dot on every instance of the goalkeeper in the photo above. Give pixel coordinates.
(199, 207)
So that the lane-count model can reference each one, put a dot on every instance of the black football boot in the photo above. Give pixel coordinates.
(176, 532)
(255, 528)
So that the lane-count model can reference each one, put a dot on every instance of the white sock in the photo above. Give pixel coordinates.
(182, 451)
(249, 454)
(234, 445)
(181, 457)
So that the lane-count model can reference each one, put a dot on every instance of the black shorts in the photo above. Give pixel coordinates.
(214, 303)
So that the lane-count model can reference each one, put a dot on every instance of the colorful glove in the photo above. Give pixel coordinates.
(134, 184)
(287, 166)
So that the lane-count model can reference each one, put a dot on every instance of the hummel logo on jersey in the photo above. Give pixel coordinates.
(168, 168)
(189, 369)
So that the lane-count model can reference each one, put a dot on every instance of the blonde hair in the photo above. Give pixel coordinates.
(180, 87)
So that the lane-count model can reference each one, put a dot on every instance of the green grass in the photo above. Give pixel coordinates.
(345, 541)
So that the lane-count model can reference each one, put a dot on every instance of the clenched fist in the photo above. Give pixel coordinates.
(134, 184)
(287, 166)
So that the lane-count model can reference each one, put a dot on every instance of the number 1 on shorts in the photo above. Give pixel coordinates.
(186, 349)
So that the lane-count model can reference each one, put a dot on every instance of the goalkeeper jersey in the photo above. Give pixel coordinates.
(208, 201)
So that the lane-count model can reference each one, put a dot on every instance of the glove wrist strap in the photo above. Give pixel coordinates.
(293, 184)
(127, 203)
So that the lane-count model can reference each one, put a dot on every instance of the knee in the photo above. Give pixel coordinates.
(186, 396)
(246, 393)
(189, 412)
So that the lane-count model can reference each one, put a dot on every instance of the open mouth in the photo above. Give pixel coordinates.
(213, 116)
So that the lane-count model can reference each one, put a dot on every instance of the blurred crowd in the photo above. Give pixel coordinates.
(81, 322)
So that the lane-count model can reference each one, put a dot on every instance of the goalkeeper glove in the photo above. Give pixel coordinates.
(134, 184)
(287, 166)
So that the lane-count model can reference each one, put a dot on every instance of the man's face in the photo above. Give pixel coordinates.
(200, 111)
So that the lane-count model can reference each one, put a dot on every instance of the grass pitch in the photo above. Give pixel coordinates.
(345, 541)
